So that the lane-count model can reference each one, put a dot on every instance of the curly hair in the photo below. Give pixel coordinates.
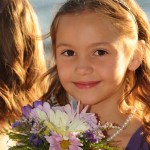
(21, 57)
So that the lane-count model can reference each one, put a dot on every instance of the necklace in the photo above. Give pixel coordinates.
(123, 126)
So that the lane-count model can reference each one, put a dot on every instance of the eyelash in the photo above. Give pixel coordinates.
(72, 53)
(102, 52)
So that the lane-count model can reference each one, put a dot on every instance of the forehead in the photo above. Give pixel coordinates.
(87, 28)
(86, 24)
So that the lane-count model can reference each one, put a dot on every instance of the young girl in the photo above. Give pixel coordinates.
(101, 50)
(21, 59)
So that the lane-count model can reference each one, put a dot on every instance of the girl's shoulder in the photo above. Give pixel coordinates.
(138, 141)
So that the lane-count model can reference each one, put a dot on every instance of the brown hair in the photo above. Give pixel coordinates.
(21, 57)
(121, 14)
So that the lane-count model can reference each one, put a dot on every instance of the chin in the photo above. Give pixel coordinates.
(88, 102)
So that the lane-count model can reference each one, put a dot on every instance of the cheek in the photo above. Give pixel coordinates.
(114, 71)
(64, 70)
(120, 71)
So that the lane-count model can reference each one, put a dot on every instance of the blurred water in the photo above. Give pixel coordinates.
(45, 10)
(145, 4)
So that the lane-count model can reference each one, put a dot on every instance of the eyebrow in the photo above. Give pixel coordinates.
(92, 45)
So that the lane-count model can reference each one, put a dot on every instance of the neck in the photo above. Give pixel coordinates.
(108, 111)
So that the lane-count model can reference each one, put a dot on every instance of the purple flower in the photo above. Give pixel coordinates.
(16, 124)
(57, 142)
(35, 140)
(41, 112)
(32, 137)
(90, 118)
(26, 111)
(54, 141)
(37, 103)
(90, 136)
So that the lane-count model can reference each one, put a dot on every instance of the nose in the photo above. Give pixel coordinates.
(84, 66)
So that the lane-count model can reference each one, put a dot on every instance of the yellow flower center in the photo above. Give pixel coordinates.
(65, 144)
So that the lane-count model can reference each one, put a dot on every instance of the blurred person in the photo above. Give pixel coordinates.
(21, 58)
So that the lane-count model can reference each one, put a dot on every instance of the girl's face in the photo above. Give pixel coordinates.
(91, 58)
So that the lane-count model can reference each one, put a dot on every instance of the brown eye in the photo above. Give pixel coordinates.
(100, 52)
(69, 53)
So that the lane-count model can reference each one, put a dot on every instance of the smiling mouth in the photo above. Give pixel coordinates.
(86, 85)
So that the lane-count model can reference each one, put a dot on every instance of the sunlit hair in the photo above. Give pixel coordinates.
(129, 20)
(21, 57)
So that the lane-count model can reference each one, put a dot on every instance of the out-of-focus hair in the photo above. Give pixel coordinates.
(22, 59)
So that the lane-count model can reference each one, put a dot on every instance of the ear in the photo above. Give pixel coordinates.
(137, 58)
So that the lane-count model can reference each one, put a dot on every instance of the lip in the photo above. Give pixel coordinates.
(86, 85)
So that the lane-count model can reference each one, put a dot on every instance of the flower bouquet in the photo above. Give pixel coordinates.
(43, 127)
